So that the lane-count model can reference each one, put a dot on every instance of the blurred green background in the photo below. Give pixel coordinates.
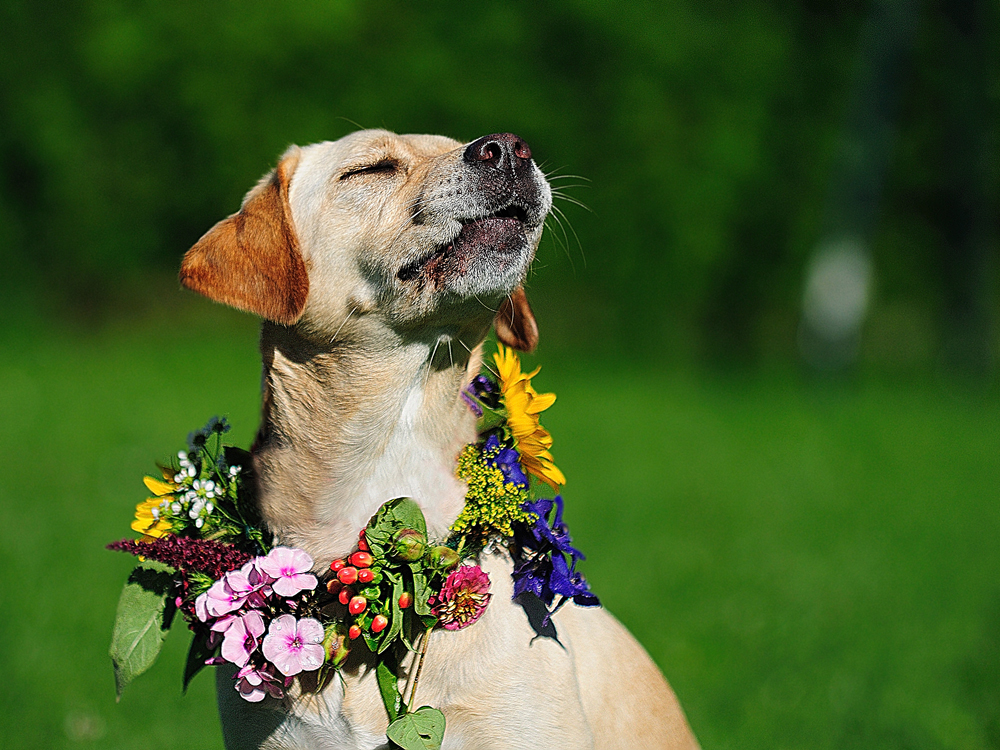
(798, 520)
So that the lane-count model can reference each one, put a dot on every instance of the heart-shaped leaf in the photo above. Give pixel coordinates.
(421, 730)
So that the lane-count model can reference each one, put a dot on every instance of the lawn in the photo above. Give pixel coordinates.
(813, 565)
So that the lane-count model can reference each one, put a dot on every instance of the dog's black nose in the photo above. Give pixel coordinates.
(499, 150)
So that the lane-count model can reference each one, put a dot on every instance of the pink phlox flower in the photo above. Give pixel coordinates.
(253, 683)
(242, 636)
(463, 597)
(294, 646)
(225, 595)
(290, 570)
(201, 606)
(248, 585)
(254, 581)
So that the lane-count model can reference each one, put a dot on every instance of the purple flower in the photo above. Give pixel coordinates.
(241, 637)
(253, 683)
(463, 597)
(290, 570)
(540, 565)
(480, 391)
(294, 646)
(208, 556)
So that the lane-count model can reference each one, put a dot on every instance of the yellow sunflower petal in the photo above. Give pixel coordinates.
(508, 366)
(523, 404)
(154, 529)
(157, 487)
(541, 402)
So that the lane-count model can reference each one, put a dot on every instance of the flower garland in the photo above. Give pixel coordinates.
(262, 608)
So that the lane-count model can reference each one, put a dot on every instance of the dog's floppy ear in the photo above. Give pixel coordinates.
(515, 323)
(251, 260)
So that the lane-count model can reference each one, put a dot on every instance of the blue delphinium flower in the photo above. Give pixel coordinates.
(505, 458)
(540, 562)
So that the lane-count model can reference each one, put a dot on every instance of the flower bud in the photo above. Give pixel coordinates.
(405, 600)
(337, 565)
(339, 654)
(444, 558)
(409, 545)
(353, 632)
(366, 575)
(357, 605)
(379, 623)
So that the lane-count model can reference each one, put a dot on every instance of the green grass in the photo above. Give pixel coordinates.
(813, 566)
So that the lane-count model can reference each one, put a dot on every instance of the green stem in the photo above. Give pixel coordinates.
(420, 666)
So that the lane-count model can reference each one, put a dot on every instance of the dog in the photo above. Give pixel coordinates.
(378, 263)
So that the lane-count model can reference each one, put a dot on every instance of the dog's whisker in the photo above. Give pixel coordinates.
(405, 223)
(556, 211)
(491, 309)
(484, 363)
(341, 327)
(566, 177)
(570, 199)
(563, 241)
(430, 361)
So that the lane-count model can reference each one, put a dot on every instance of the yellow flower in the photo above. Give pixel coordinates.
(524, 404)
(152, 527)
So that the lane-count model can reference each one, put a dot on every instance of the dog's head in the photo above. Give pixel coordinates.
(420, 230)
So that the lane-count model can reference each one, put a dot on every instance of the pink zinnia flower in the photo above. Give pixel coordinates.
(254, 683)
(463, 597)
(290, 570)
(241, 637)
(294, 646)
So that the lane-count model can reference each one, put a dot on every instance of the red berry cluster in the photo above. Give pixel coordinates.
(359, 570)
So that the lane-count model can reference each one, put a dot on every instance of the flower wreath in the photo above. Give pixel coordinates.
(257, 605)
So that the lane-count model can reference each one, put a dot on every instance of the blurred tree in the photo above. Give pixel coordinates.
(705, 130)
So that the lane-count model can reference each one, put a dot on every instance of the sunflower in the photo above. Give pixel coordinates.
(524, 405)
(151, 525)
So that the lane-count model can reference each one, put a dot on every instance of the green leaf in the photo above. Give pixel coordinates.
(421, 591)
(395, 617)
(421, 730)
(388, 686)
(198, 654)
(139, 628)
(491, 418)
(406, 514)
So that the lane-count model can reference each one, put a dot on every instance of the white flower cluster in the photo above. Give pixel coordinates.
(194, 497)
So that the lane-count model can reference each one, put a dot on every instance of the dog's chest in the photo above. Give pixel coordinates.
(412, 462)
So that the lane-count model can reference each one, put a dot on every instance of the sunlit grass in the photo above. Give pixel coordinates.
(813, 566)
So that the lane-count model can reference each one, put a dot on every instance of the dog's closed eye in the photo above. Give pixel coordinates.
(381, 167)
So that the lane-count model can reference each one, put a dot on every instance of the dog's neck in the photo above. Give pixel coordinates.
(346, 428)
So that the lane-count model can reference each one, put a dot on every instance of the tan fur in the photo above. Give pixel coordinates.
(409, 249)
(251, 260)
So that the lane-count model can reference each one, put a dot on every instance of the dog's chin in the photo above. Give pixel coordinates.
(487, 256)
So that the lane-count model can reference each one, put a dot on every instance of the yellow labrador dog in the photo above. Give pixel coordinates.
(378, 262)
